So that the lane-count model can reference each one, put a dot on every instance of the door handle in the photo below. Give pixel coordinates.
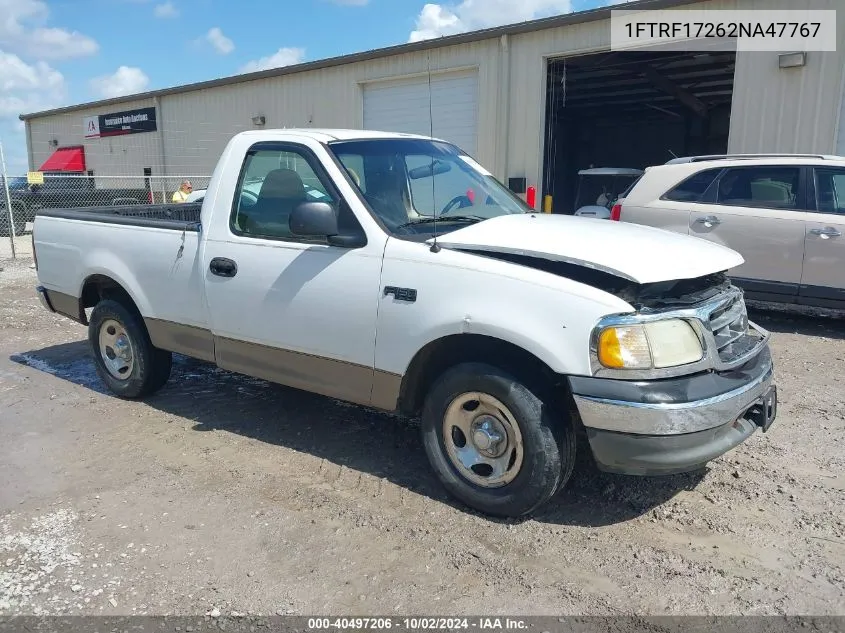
(826, 233)
(709, 221)
(223, 267)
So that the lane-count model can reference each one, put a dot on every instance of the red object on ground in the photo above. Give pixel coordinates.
(531, 196)
(70, 159)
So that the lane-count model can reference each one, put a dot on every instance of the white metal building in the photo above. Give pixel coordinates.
(533, 101)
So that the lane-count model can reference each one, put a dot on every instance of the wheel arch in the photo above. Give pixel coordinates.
(99, 286)
(440, 354)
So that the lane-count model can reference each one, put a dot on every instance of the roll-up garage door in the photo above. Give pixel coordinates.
(403, 106)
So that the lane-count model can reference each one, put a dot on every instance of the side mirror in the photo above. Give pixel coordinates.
(316, 219)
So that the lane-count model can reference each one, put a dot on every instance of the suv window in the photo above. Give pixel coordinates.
(273, 182)
(830, 190)
(772, 187)
(691, 189)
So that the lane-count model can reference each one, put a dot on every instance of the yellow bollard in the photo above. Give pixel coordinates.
(547, 204)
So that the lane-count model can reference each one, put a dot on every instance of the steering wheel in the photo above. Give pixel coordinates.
(248, 199)
(463, 201)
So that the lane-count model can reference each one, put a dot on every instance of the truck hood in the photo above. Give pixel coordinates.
(637, 253)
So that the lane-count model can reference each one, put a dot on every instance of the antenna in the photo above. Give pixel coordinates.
(673, 153)
(435, 247)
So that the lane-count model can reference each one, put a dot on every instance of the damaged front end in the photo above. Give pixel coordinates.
(710, 304)
(643, 297)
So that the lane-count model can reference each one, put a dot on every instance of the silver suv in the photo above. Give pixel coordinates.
(784, 213)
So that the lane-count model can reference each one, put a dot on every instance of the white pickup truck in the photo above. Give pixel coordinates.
(395, 272)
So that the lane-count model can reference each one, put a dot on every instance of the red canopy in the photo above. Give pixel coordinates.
(71, 159)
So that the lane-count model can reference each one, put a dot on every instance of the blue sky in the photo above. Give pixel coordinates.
(59, 52)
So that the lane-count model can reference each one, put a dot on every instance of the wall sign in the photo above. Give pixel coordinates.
(118, 123)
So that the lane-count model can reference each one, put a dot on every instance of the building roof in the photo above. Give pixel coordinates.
(567, 19)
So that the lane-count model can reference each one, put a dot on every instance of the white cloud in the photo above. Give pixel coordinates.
(166, 10)
(22, 31)
(282, 57)
(220, 42)
(24, 88)
(126, 80)
(438, 20)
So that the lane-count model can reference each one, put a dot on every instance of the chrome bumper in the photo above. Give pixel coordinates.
(665, 427)
(669, 407)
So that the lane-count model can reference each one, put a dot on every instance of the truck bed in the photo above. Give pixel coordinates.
(178, 217)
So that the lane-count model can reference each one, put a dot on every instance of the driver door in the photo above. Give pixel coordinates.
(293, 310)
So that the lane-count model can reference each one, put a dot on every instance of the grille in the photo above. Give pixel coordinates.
(729, 326)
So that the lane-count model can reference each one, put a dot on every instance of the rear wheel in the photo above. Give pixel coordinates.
(493, 443)
(125, 358)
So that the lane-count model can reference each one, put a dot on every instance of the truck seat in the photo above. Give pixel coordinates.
(281, 191)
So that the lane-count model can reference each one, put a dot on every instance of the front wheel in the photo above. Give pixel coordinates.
(125, 358)
(493, 443)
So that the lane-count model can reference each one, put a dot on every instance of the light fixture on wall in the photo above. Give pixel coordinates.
(53, 142)
(792, 60)
(258, 119)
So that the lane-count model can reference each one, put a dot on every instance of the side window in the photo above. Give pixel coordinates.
(691, 189)
(830, 190)
(772, 187)
(273, 183)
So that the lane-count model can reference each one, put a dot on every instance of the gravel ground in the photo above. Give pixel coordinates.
(227, 494)
(23, 244)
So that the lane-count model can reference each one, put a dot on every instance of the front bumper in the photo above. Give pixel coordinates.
(675, 425)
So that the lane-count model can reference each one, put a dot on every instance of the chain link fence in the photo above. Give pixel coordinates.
(60, 191)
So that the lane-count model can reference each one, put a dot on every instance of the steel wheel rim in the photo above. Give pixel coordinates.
(483, 440)
(116, 349)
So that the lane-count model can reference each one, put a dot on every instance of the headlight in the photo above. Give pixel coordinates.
(653, 345)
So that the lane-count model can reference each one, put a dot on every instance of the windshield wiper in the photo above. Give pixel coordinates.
(449, 218)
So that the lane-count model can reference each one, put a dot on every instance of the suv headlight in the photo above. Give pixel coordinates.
(654, 345)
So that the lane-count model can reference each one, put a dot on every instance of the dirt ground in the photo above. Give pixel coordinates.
(227, 494)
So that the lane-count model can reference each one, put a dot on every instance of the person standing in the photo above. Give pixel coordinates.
(185, 189)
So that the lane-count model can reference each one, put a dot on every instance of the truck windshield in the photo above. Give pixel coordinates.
(409, 182)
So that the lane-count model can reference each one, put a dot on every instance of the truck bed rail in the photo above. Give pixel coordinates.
(180, 217)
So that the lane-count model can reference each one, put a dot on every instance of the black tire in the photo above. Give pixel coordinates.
(150, 366)
(548, 441)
